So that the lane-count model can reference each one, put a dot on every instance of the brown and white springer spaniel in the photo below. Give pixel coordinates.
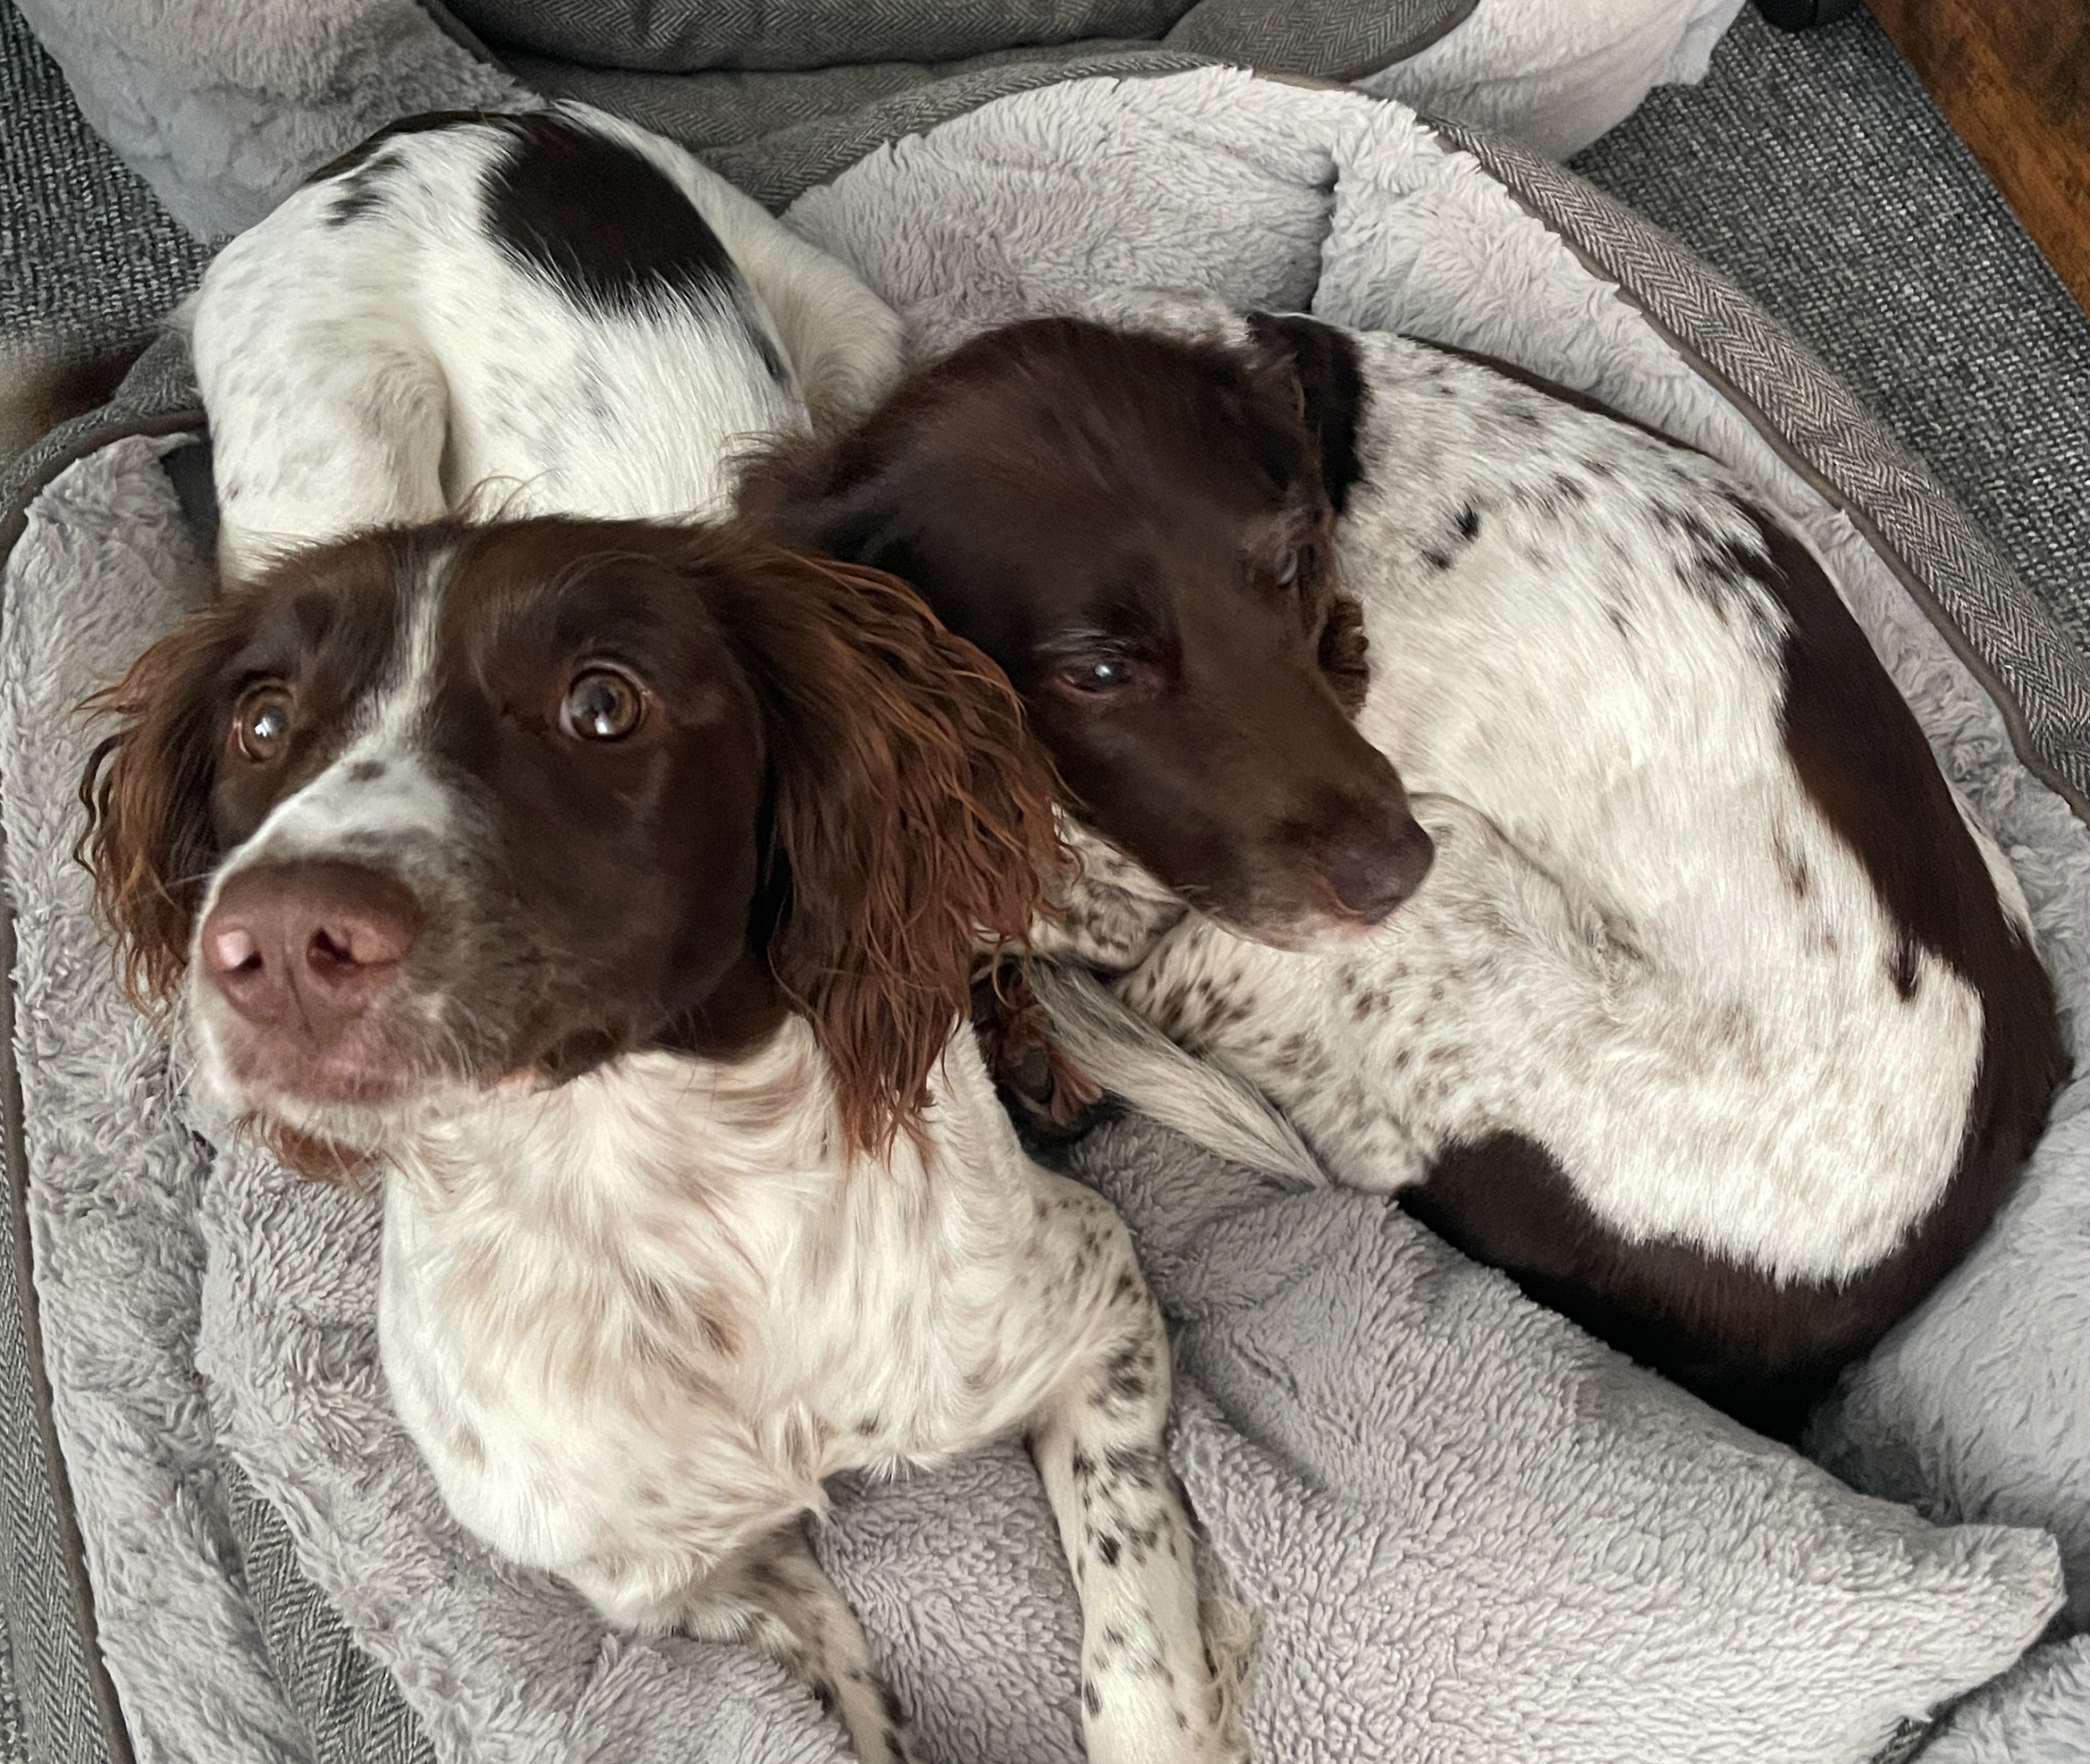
(613, 889)
(1714, 1020)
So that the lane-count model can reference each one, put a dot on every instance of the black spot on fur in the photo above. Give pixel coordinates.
(361, 192)
(1468, 523)
(1109, 1549)
(1091, 1698)
(603, 224)
(1126, 1373)
(1132, 1464)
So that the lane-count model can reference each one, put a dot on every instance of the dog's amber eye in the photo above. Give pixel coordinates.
(261, 725)
(603, 705)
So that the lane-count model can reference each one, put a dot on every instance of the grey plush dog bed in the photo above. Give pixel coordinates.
(1466, 1531)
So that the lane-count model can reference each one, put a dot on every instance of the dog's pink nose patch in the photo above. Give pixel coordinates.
(232, 949)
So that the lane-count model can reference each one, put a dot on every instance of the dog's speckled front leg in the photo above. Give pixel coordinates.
(779, 1597)
(1147, 1688)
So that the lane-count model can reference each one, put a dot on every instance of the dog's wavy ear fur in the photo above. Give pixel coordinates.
(912, 820)
(147, 791)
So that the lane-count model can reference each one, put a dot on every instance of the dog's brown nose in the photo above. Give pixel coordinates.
(302, 948)
(1371, 871)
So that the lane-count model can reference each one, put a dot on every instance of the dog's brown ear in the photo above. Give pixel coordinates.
(830, 493)
(1323, 365)
(912, 823)
(147, 792)
(781, 482)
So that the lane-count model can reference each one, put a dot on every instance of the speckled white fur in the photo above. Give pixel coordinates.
(635, 1321)
(403, 366)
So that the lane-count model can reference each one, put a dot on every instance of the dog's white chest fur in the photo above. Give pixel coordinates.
(627, 1345)
(1645, 947)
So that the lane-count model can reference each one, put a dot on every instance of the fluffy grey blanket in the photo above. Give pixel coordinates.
(1466, 1531)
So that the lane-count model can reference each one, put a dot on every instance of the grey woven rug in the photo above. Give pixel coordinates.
(86, 253)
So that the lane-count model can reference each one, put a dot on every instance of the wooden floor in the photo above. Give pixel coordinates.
(2012, 77)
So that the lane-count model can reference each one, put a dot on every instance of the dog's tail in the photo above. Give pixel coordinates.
(1197, 1096)
(47, 380)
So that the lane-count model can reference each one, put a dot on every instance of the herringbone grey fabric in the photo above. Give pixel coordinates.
(1342, 43)
(776, 135)
(2005, 633)
(683, 36)
(58, 1708)
(1814, 172)
(690, 36)
(350, 1707)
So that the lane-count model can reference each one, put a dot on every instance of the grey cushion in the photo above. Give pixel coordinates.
(681, 36)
